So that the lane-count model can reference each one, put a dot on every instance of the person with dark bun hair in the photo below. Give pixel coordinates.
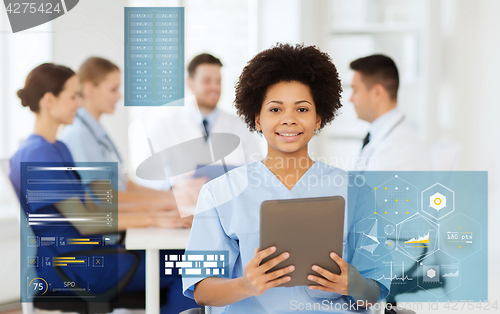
(52, 93)
(38, 88)
(287, 93)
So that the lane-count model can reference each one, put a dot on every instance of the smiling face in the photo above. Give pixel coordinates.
(62, 108)
(106, 94)
(206, 85)
(288, 119)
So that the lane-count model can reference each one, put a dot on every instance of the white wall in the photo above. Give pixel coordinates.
(278, 21)
(220, 28)
(468, 71)
(476, 87)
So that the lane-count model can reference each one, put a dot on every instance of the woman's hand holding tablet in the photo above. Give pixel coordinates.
(255, 279)
(365, 291)
(331, 282)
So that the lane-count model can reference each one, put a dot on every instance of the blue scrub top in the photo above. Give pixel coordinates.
(36, 149)
(228, 218)
(89, 142)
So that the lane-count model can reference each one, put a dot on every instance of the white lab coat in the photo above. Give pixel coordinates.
(168, 126)
(394, 145)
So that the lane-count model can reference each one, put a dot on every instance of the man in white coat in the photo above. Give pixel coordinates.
(391, 143)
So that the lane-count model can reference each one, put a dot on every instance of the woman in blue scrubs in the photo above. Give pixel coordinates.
(286, 93)
(51, 92)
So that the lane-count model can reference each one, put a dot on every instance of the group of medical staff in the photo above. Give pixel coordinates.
(285, 95)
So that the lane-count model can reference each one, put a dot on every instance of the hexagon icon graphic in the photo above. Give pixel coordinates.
(437, 201)
(396, 199)
(439, 275)
(417, 237)
(430, 274)
(460, 236)
(372, 237)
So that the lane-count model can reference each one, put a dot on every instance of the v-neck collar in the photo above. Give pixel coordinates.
(270, 180)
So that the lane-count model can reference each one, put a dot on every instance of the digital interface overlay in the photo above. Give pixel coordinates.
(154, 56)
(59, 262)
(197, 264)
(429, 231)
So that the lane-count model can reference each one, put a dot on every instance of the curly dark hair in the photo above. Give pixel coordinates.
(286, 63)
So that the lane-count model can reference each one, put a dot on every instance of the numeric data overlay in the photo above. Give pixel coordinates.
(69, 232)
(154, 56)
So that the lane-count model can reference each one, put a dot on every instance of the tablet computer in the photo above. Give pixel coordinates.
(309, 229)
